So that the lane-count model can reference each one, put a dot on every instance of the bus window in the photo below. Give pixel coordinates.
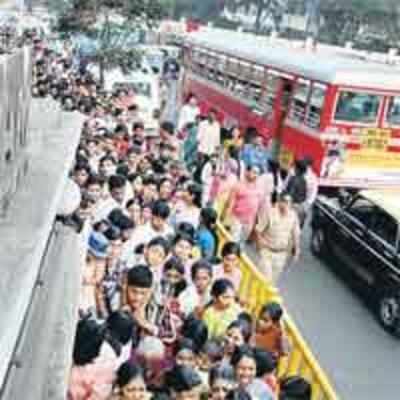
(313, 117)
(271, 87)
(211, 64)
(256, 98)
(393, 113)
(220, 71)
(246, 71)
(255, 92)
(258, 74)
(234, 82)
(233, 67)
(240, 88)
(300, 99)
(256, 79)
(220, 79)
(200, 62)
(357, 107)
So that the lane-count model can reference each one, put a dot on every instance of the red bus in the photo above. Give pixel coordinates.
(342, 111)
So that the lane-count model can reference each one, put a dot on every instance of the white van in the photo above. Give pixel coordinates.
(147, 89)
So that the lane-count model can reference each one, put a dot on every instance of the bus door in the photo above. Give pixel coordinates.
(281, 105)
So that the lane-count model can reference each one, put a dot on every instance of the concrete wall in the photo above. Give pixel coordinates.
(25, 230)
(42, 357)
(15, 101)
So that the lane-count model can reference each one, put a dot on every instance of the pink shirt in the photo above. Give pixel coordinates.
(246, 202)
(235, 276)
(90, 382)
(94, 381)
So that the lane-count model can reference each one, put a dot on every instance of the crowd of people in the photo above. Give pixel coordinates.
(160, 313)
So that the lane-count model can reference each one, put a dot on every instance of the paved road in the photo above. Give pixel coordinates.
(360, 358)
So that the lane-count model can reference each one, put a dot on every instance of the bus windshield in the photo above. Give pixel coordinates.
(357, 107)
(393, 114)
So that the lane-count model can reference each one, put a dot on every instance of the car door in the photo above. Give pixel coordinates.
(382, 254)
(348, 237)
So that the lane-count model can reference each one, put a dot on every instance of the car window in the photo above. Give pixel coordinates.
(385, 227)
(362, 210)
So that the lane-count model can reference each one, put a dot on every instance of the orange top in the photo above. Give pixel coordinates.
(271, 340)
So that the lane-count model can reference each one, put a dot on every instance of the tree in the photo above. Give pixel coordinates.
(263, 9)
(112, 26)
(354, 20)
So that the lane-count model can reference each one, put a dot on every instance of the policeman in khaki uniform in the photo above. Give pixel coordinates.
(277, 234)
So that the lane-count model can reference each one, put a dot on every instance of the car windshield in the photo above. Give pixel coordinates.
(140, 88)
(357, 107)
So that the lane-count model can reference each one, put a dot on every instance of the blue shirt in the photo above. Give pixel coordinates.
(206, 242)
(255, 156)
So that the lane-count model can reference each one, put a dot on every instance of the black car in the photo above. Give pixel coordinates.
(362, 235)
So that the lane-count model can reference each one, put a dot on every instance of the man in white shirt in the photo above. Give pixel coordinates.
(189, 112)
(117, 190)
(158, 226)
(209, 134)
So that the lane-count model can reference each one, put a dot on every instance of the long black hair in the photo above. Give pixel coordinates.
(89, 338)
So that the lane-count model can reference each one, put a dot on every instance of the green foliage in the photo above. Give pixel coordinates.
(263, 9)
(112, 25)
(204, 10)
(360, 20)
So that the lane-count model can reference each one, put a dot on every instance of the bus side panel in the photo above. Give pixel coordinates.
(231, 111)
(296, 144)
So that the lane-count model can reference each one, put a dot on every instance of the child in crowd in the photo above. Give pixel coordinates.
(270, 334)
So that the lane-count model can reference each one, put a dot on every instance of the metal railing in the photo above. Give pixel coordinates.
(256, 291)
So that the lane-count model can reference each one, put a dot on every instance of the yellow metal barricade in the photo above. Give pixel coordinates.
(254, 292)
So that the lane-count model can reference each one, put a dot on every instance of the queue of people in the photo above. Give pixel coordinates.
(255, 202)
(160, 312)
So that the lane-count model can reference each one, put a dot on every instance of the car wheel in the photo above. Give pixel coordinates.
(318, 242)
(389, 312)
